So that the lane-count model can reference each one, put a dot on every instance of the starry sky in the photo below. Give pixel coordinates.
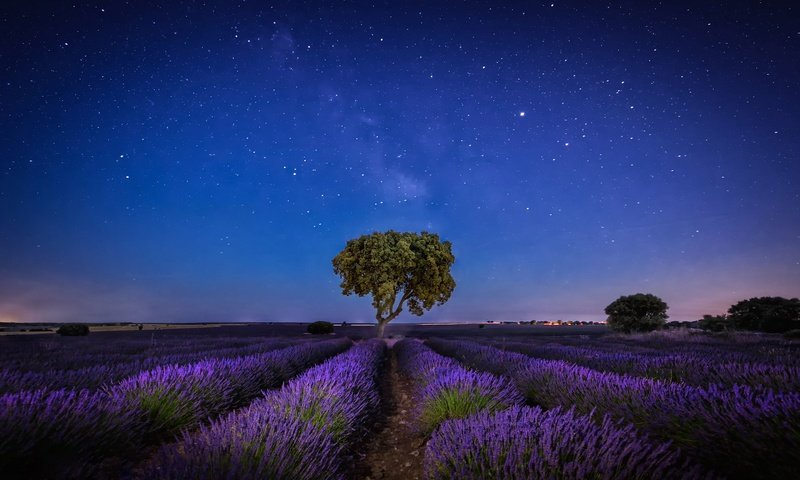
(204, 161)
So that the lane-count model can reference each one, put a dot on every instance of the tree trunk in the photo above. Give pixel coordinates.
(381, 326)
(392, 314)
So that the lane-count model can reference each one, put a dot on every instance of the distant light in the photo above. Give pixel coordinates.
(521, 114)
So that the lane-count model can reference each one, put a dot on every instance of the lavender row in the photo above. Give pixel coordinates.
(65, 433)
(522, 443)
(446, 390)
(694, 368)
(106, 371)
(665, 340)
(300, 432)
(44, 354)
(738, 348)
(480, 430)
(178, 396)
(738, 432)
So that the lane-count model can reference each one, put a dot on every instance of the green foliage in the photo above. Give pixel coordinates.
(166, 409)
(397, 268)
(332, 422)
(73, 330)
(714, 323)
(455, 403)
(320, 328)
(642, 312)
(766, 314)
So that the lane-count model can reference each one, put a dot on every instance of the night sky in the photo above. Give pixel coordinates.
(188, 161)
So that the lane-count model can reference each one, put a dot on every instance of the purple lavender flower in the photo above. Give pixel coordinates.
(62, 433)
(259, 442)
(739, 432)
(94, 369)
(68, 432)
(701, 368)
(298, 432)
(447, 390)
(523, 443)
(173, 396)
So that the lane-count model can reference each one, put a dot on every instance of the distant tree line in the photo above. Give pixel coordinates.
(758, 314)
(644, 312)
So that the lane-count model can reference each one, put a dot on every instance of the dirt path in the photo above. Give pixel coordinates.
(393, 451)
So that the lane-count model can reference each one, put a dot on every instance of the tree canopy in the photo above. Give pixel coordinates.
(398, 269)
(766, 314)
(641, 312)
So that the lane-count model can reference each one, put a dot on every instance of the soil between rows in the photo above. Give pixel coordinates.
(394, 450)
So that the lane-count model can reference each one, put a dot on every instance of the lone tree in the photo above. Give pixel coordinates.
(766, 314)
(397, 268)
(642, 312)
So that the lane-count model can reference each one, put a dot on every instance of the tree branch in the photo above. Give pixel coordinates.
(393, 313)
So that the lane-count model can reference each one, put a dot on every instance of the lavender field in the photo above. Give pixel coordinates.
(231, 404)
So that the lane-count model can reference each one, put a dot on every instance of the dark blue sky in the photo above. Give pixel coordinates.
(178, 161)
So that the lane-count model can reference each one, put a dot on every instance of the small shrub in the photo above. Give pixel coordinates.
(73, 330)
(714, 323)
(320, 328)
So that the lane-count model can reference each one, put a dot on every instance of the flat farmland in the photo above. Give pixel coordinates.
(429, 401)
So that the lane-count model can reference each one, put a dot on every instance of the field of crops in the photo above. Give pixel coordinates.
(299, 407)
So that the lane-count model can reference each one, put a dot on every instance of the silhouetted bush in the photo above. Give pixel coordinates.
(714, 323)
(73, 330)
(320, 328)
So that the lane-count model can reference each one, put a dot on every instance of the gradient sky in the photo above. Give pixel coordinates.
(181, 161)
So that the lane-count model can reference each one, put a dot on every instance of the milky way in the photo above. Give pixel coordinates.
(175, 161)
